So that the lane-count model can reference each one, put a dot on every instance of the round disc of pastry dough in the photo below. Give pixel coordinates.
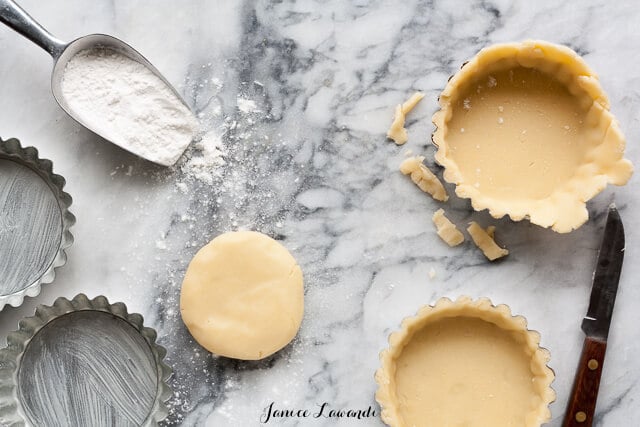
(242, 296)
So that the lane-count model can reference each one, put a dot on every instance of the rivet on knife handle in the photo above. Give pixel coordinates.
(582, 402)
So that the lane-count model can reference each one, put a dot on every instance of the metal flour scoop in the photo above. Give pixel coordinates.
(16, 18)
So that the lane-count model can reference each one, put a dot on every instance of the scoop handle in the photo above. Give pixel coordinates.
(17, 19)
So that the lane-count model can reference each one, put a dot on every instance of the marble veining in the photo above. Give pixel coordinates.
(310, 166)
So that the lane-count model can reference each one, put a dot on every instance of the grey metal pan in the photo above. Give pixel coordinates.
(34, 222)
(83, 362)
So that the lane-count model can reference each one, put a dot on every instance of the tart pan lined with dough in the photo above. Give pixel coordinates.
(524, 129)
(464, 362)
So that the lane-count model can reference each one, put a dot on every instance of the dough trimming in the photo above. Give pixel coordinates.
(485, 242)
(446, 229)
(397, 132)
(421, 176)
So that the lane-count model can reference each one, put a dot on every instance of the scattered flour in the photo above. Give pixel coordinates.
(247, 105)
(204, 162)
(126, 103)
(183, 187)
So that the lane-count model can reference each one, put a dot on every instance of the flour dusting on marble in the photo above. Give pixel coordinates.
(247, 105)
(87, 368)
(203, 161)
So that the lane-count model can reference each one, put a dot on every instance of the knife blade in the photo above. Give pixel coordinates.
(582, 401)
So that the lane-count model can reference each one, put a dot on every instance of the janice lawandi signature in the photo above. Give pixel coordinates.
(322, 410)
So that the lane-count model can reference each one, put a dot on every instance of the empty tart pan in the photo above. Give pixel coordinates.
(34, 222)
(83, 362)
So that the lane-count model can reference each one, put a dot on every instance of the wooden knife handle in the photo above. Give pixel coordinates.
(582, 402)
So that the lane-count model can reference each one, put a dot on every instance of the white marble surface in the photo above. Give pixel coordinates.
(312, 168)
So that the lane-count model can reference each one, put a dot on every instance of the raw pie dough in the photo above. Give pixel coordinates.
(524, 129)
(464, 363)
(242, 296)
(397, 132)
(484, 240)
(424, 178)
(446, 229)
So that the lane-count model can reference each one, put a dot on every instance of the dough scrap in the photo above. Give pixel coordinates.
(446, 229)
(242, 296)
(484, 240)
(397, 132)
(424, 178)
(410, 103)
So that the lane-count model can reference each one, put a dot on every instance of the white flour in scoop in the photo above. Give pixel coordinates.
(123, 101)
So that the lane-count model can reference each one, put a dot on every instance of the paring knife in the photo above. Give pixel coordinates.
(582, 402)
